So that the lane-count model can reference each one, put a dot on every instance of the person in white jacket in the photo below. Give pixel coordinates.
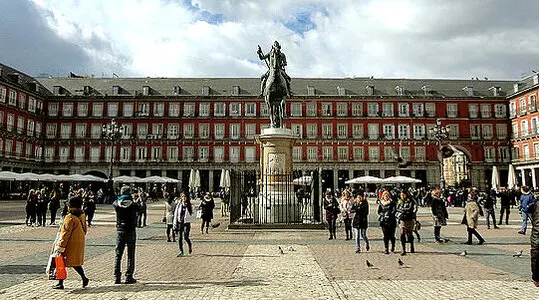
(182, 222)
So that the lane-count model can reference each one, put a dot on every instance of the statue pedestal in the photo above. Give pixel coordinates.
(277, 202)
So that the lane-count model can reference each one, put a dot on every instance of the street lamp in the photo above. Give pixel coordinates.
(112, 132)
(440, 133)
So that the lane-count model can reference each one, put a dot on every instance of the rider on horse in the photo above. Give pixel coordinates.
(275, 53)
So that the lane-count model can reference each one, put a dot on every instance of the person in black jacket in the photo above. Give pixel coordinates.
(360, 223)
(388, 222)
(406, 214)
(126, 224)
(505, 203)
(206, 206)
(488, 205)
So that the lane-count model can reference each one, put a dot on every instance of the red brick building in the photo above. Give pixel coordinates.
(346, 127)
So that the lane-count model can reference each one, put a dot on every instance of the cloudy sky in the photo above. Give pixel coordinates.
(218, 38)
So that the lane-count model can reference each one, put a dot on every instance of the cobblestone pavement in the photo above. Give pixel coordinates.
(248, 264)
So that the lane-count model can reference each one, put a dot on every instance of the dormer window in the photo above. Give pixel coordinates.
(535, 79)
(236, 90)
(515, 88)
(87, 90)
(426, 90)
(176, 90)
(468, 90)
(495, 91)
(370, 90)
(146, 90)
(58, 90)
(1, 71)
(205, 90)
(341, 91)
(400, 90)
(310, 91)
(115, 90)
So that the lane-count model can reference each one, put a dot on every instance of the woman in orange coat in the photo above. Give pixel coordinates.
(72, 239)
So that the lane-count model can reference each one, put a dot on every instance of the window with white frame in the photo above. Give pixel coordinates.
(297, 153)
(342, 109)
(3, 92)
(359, 154)
(357, 109)
(486, 110)
(204, 130)
(235, 109)
(172, 153)
(499, 110)
(387, 109)
(10, 122)
(453, 131)
(374, 153)
(532, 103)
(30, 127)
(515, 130)
(63, 153)
(126, 130)
(53, 109)
(534, 122)
(372, 109)
(38, 151)
(96, 131)
(404, 110)
(388, 130)
(295, 109)
(219, 109)
(312, 131)
(143, 109)
(475, 131)
(173, 131)
(142, 130)
(373, 131)
(312, 154)
(264, 111)
(250, 154)
(501, 131)
(125, 153)
(127, 109)
(203, 153)
(12, 98)
(204, 109)
(159, 109)
(327, 109)
(327, 153)
(524, 128)
(22, 100)
(418, 109)
(67, 109)
(327, 131)
(48, 156)
(536, 150)
(65, 130)
(80, 130)
(97, 109)
(522, 107)
(51, 130)
(189, 109)
(250, 109)
(79, 154)
(487, 131)
(473, 110)
(234, 154)
(490, 154)
(297, 130)
(82, 109)
(504, 154)
(174, 109)
(389, 153)
(342, 153)
(250, 131)
(20, 124)
(515, 152)
(357, 131)
(38, 129)
(430, 108)
(311, 109)
(157, 130)
(342, 131)
(142, 153)
(95, 154)
(1, 118)
(32, 102)
(234, 131)
(219, 131)
(9, 147)
(188, 130)
(452, 110)
(112, 110)
(419, 153)
(419, 131)
(404, 132)
(512, 110)
(28, 152)
(404, 152)
(219, 154)
(156, 153)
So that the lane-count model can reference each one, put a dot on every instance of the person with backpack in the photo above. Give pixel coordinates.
(526, 208)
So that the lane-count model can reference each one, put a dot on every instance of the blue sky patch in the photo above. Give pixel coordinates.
(203, 15)
(302, 22)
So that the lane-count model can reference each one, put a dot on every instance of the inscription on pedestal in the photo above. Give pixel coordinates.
(276, 163)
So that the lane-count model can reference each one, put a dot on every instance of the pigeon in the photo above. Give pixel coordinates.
(369, 264)
(401, 263)
(291, 248)
(464, 253)
(518, 254)
(281, 250)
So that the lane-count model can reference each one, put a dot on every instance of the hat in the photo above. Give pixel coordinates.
(126, 190)
(525, 189)
(75, 202)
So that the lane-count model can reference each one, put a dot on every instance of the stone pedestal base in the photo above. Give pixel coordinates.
(277, 203)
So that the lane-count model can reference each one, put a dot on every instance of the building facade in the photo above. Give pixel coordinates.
(345, 127)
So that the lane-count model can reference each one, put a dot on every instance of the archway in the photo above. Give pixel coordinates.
(457, 167)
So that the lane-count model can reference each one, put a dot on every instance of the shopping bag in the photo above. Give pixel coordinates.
(199, 213)
(61, 272)
(51, 268)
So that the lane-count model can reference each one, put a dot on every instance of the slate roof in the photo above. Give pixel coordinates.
(525, 84)
(23, 81)
(249, 87)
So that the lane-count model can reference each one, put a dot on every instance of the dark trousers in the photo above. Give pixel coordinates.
(141, 219)
(41, 217)
(129, 239)
(332, 228)
(30, 217)
(53, 215)
(490, 213)
(505, 209)
(183, 233)
(473, 231)
(389, 236)
(348, 228)
(205, 222)
(90, 216)
(169, 230)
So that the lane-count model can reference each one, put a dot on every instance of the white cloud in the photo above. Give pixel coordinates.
(384, 38)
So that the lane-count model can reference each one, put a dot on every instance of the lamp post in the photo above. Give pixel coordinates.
(440, 133)
(111, 132)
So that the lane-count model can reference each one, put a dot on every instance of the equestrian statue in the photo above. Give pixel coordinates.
(275, 84)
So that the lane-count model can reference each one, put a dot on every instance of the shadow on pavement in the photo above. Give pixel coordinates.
(22, 269)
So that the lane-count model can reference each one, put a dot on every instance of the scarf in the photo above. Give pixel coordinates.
(183, 208)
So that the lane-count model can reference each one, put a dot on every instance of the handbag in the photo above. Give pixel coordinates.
(61, 272)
